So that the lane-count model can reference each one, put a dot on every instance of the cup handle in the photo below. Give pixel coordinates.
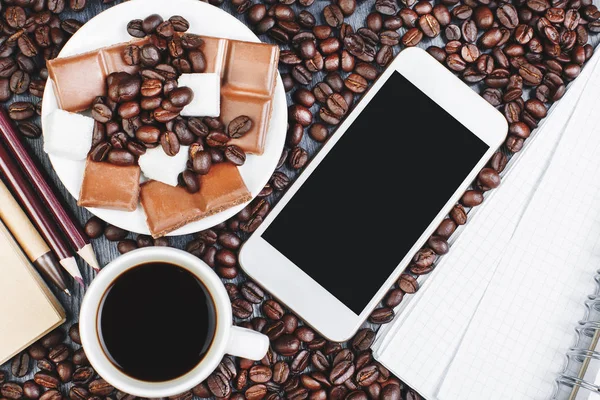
(247, 343)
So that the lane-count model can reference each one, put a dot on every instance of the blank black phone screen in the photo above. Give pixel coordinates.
(375, 193)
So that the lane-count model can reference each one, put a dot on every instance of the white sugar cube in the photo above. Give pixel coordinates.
(156, 164)
(207, 94)
(68, 135)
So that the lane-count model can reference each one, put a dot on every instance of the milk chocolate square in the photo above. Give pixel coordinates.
(251, 67)
(215, 51)
(222, 188)
(167, 207)
(259, 109)
(110, 186)
(77, 80)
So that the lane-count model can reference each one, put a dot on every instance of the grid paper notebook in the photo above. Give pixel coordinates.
(428, 339)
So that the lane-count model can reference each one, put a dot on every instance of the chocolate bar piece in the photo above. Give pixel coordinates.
(222, 188)
(79, 79)
(168, 208)
(259, 109)
(110, 186)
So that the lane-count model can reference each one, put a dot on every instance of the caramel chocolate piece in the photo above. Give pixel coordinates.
(215, 51)
(110, 186)
(222, 188)
(257, 108)
(168, 207)
(77, 80)
(249, 77)
(251, 67)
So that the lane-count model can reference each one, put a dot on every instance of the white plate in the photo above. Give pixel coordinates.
(108, 28)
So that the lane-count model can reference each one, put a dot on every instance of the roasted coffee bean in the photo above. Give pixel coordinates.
(79, 357)
(391, 392)
(151, 22)
(235, 155)
(438, 244)
(11, 390)
(65, 371)
(356, 83)
(458, 214)
(59, 353)
(241, 308)
(127, 245)
(367, 375)
(170, 143)
(300, 114)
(363, 339)
(393, 298)
(381, 315)
(36, 350)
(488, 178)
(429, 25)
(217, 139)
(279, 180)
(273, 309)
(386, 7)
(297, 158)
(256, 392)
(281, 372)
(471, 198)
(135, 28)
(341, 372)
(45, 365)
(408, 284)
(21, 110)
(333, 15)
(531, 74)
(31, 390)
(251, 292)
(78, 393)
(300, 361)
(239, 126)
(120, 157)
(337, 105)
(46, 380)
(286, 345)
(260, 374)
(53, 338)
(114, 233)
(20, 365)
(100, 151)
(100, 387)
(412, 37)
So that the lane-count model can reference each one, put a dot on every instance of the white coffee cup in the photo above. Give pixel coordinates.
(228, 339)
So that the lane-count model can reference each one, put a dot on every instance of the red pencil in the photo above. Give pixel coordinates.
(74, 233)
(35, 209)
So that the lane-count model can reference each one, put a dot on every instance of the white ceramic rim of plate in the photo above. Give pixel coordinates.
(204, 19)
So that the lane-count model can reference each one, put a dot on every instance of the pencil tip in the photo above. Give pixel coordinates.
(87, 253)
(70, 265)
(68, 292)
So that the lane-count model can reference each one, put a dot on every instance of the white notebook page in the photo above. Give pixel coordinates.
(515, 344)
(422, 341)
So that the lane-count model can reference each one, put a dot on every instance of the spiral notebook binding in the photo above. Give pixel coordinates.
(579, 357)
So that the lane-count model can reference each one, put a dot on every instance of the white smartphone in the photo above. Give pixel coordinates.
(349, 225)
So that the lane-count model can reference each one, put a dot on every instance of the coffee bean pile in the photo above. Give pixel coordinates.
(31, 32)
(518, 55)
(142, 110)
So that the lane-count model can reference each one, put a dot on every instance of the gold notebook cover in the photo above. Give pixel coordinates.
(28, 309)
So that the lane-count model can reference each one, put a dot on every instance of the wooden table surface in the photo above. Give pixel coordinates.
(107, 251)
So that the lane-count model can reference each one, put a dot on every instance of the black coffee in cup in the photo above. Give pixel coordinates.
(156, 322)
